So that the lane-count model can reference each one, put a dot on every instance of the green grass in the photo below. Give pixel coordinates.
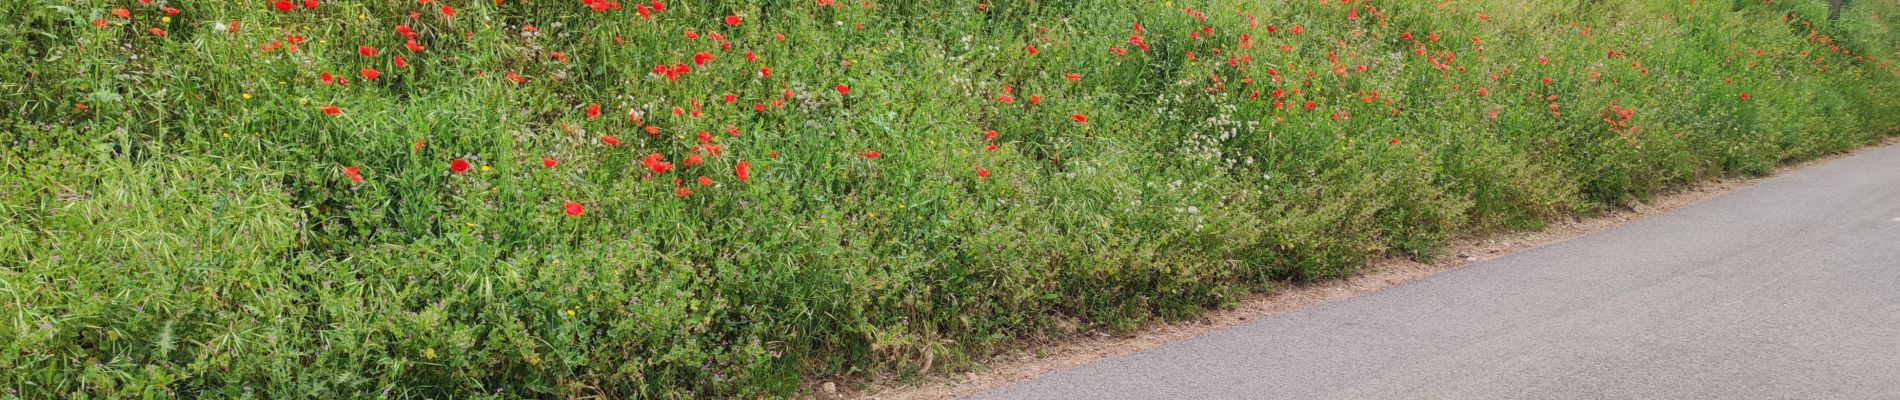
(175, 220)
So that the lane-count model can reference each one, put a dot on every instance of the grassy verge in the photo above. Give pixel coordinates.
(217, 199)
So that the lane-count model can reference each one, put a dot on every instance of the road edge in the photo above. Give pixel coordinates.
(1036, 359)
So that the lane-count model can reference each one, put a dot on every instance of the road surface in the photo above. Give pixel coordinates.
(1786, 290)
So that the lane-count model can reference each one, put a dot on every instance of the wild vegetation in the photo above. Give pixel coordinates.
(723, 198)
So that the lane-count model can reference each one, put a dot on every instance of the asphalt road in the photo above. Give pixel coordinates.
(1786, 290)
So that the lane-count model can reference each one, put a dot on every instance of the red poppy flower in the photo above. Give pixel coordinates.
(682, 191)
(844, 90)
(1078, 117)
(705, 181)
(412, 45)
(693, 159)
(743, 170)
(593, 110)
(609, 140)
(990, 134)
(156, 31)
(992, 147)
(448, 11)
(369, 73)
(549, 162)
(702, 58)
(401, 62)
(366, 50)
(1745, 96)
(871, 154)
(1035, 99)
(458, 165)
(981, 172)
(1031, 49)
(169, 10)
(573, 208)
(1074, 77)
(330, 109)
(732, 20)
(309, 3)
(353, 173)
(1310, 104)
(122, 13)
(285, 5)
(656, 162)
